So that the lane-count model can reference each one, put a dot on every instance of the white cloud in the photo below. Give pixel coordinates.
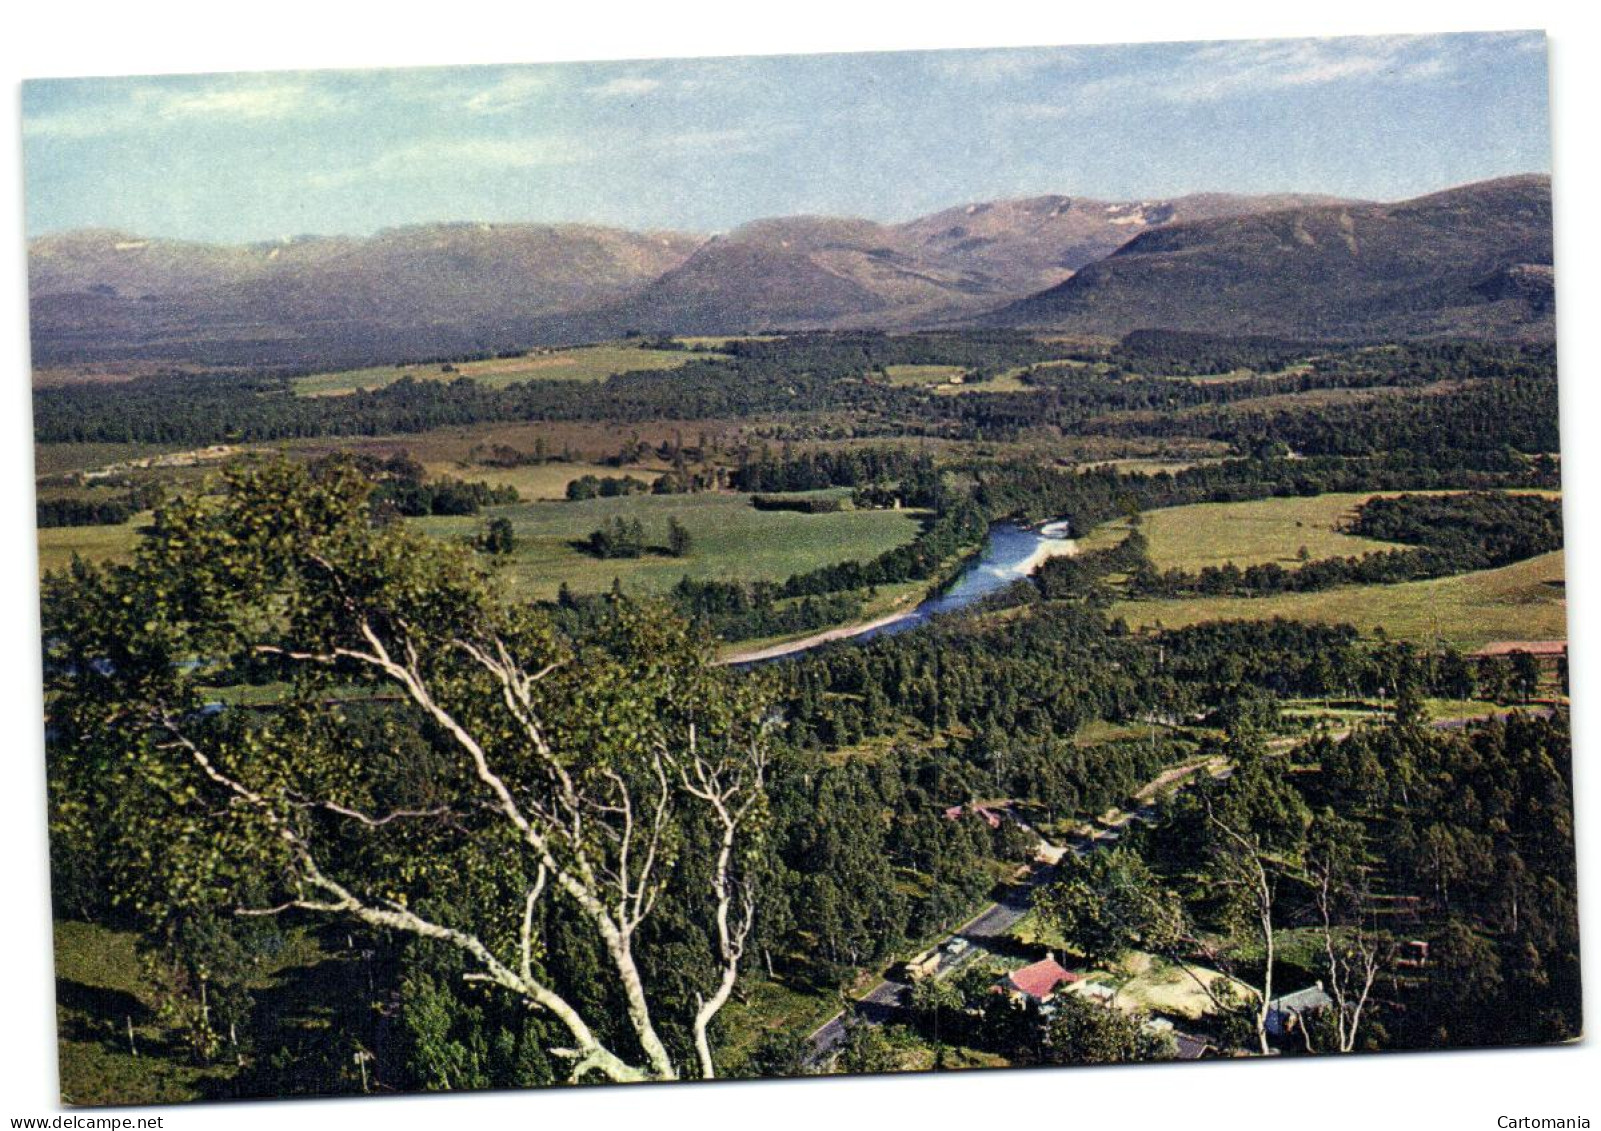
(457, 155)
(509, 93)
(626, 86)
(1218, 70)
(1213, 71)
(222, 99)
(1000, 65)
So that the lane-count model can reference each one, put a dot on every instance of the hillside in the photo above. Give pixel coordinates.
(111, 298)
(1470, 261)
(834, 273)
(415, 291)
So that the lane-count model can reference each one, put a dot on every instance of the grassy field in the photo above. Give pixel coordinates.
(1264, 530)
(584, 363)
(57, 544)
(1156, 985)
(923, 374)
(541, 481)
(939, 380)
(65, 459)
(1145, 465)
(1522, 601)
(103, 988)
(731, 541)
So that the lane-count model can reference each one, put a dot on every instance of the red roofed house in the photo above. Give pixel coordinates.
(1549, 654)
(1552, 648)
(1038, 982)
(990, 816)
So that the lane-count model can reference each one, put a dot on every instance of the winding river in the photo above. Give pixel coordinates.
(1010, 553)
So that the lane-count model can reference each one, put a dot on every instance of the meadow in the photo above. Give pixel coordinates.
(731, 541)
(119, 1045)
(1263, 530)
(584, 363)
(1522, 601)
(544, 481)
(58, 544)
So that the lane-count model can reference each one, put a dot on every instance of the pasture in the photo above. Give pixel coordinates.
(57, 544)
(1263, 530)
(1522, 601)
(731, 541)
(583, 363)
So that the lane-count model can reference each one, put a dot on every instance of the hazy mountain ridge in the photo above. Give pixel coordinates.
(1469, 260)
(825, 272)
(426, 289)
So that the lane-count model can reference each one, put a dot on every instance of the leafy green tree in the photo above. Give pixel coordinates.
(1109, 903)
(1525, 675)
(569, 788)
(499, 538)
(1245, 837)
(1081, 1031)
(867, 1049)
(679, 541)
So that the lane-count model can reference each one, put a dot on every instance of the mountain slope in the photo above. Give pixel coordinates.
(1471, 261)
(811, 271)
(430, 289)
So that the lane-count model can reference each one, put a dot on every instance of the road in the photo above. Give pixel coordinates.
(888, 999)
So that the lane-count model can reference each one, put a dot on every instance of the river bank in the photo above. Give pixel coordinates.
(1011, 554)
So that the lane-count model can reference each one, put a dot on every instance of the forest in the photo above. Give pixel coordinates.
(362, 819)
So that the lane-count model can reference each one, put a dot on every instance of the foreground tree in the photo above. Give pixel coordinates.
(1242, 840)
(560, 788)
(1109, 903)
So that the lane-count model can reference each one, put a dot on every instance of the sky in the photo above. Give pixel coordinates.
(704, 145)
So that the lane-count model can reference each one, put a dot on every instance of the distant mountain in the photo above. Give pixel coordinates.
(810, 271)
(414, 291)
(1470, 261)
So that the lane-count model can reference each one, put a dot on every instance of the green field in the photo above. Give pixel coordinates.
(585, 363)
(923, 374)
(1522, 601)
(57, 544)
(65, 459)
(732, 541)
(104, 988)
(541, 481)
(940, 380)
(1264, 530)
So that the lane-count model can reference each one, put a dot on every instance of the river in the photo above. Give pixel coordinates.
(1010, 553)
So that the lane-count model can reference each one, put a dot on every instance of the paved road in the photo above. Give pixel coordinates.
(889, 998)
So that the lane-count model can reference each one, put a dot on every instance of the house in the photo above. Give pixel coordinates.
(1414, 954)
(1285, 1014)
(991, 817)
(1036, 983)
(1549, 654)
(1191, 1047)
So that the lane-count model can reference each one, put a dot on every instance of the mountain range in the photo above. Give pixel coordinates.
(1473, 261)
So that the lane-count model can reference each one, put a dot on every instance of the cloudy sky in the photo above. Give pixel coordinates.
(705, 145)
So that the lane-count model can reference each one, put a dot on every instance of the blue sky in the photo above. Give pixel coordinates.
(704, 145)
